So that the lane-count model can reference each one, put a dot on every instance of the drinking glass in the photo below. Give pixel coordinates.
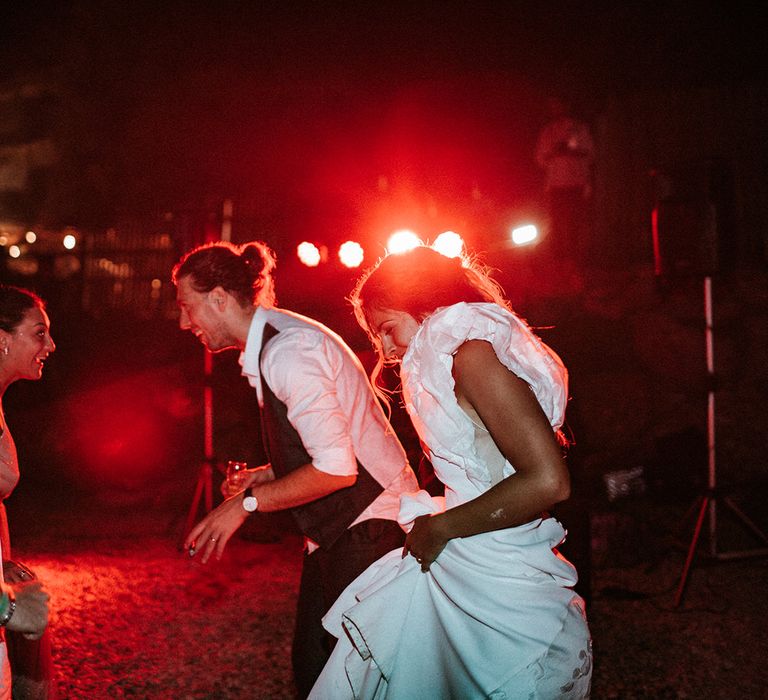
(235, 473)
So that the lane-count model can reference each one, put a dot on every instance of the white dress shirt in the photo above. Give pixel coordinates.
(330, 403)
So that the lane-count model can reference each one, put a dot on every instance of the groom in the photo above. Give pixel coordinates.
(335, 462)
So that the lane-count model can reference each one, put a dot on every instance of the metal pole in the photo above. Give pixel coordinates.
(204, 486)
(657, 266)
(226, 220)
(711, 463)
(208, 428)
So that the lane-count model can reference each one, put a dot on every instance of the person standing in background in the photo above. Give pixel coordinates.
(565, 153)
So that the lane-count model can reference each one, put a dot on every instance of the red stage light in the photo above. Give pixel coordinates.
(309, 254)
(449, 243)
(351, 254)
(120, 434)
(402, 241)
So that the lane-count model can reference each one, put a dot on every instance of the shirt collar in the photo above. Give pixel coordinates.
(249, 358)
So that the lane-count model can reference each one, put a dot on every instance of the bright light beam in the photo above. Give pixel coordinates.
(351, 254)
(402, 241)
(309, 254)
(523, 235)
(449, 243)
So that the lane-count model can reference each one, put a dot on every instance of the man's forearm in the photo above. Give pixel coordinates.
(301, 486)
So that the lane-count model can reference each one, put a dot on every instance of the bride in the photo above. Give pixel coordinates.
(479, 603)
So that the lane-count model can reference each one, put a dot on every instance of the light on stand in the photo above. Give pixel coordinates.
(402, 241)
(524, 235)
(309, 254)
(449, 243)
(351, 254)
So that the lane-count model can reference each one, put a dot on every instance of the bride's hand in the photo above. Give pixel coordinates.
(426, 540)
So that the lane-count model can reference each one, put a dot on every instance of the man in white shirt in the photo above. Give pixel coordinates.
(335, 462)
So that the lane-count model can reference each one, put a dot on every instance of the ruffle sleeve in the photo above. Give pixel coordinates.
(428, 385)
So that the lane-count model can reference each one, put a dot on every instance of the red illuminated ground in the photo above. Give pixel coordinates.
(134, 617)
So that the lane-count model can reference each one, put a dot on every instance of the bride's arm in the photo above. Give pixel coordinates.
(521, 431)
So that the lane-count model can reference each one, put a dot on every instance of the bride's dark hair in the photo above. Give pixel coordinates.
(419, 282)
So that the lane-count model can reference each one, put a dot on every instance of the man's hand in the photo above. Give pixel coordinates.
(31, 614)
(250, 477)
(212, 533)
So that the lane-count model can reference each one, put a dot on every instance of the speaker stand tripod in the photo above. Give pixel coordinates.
(708, 502)
(204, 486)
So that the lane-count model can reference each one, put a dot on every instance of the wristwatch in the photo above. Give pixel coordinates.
(250, 502)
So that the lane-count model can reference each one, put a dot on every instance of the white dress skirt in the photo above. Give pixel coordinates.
(495, 616)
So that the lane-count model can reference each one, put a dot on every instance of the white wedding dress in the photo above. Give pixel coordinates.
(495, 616)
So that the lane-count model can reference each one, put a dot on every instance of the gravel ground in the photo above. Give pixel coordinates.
(135, 617)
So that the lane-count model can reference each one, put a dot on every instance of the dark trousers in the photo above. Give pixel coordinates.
(326, 573)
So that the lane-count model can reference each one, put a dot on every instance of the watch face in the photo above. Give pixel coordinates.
(250, 503)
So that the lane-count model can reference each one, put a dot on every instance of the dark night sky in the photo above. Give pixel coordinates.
(311, 103)
(614, 43)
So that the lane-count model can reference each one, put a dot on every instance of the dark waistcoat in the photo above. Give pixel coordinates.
(325, 519)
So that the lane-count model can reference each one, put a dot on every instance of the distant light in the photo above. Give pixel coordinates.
(156, 283)
(402, 241)
(449, 243)
(14, 251)
(351, 254)
(70, 241)
(522, 235)
(30, 236)
(309, 254)
(3, 239)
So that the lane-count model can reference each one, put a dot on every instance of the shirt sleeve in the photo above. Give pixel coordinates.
(301, 367)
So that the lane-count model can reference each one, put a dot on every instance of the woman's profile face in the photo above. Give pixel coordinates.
(28, 345)
(395, 330)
